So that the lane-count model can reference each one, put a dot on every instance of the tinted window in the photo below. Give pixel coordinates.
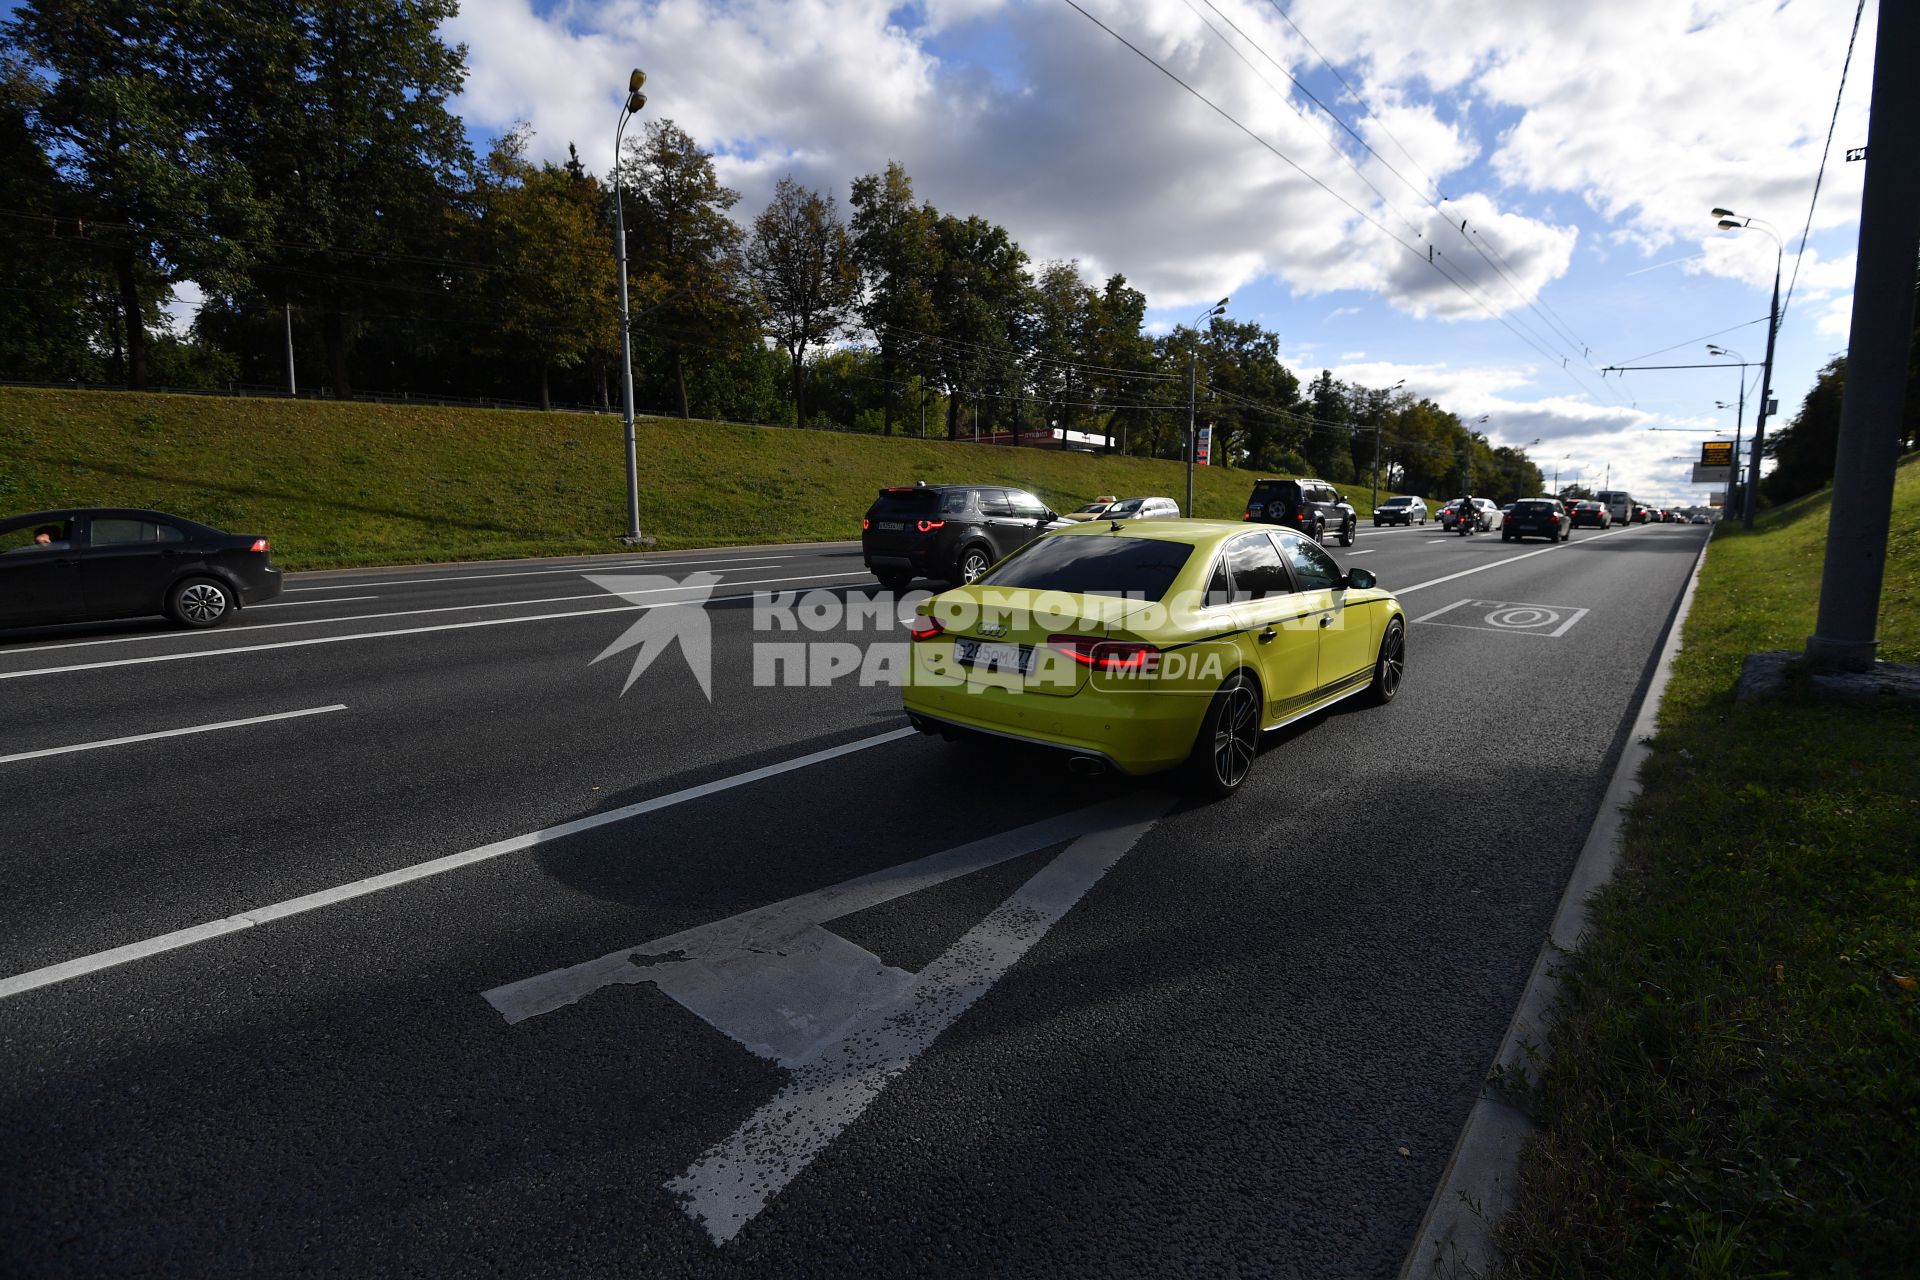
(1095, 566)
(1282, 491)
(119, 533)
(26, 538)
(1314, 567)
(1121, 510)
(994, 502)
(1397, 502)
(1536, 508)
(1025, 504)
(891, 502)
(1218, 593)
(955, 501)
(1256, 569)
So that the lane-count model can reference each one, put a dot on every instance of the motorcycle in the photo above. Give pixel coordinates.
(1464, 522)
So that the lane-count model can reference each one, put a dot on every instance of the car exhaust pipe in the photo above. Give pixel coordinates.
(1087, 766)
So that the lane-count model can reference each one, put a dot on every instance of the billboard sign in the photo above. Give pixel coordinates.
(1716, 453)
(1203, 447)
(1703, 474)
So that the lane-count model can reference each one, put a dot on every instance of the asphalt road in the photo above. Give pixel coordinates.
(1114, 1032)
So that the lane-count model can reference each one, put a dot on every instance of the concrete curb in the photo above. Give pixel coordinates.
(1479, 1183)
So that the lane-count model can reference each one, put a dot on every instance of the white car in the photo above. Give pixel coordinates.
(1142, 509)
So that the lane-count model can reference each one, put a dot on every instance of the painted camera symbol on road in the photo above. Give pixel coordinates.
(1513, 617)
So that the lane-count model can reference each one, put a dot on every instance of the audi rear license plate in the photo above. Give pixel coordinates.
(994, 657)
(891, 526)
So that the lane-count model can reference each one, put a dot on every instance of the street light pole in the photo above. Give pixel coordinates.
(292, 390)
(1379, 417)
(635, 101)
(1739, 422)
(1731, 221)
(1193, 399)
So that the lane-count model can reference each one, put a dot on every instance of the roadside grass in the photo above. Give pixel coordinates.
(1734, 1084)
(338, 484)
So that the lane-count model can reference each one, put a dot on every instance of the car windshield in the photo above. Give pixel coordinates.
(1093, 508)
(1397, 502)
(1126, 508)
(1140, 568)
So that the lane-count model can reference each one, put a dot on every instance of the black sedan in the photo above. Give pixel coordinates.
(93, 563)
(1536, 518)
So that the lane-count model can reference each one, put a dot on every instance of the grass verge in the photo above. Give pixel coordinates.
(337, 484)
(1734, 1087)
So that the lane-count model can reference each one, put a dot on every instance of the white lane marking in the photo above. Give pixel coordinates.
(883, 1024)
(327, 622)
(1431, 541)
(1428, 617)
(536, 573)
(394, 631)
(169, 733)
(1512, 617)
(82, 965)
(1495, 564)
(288, 604)
(1369, 551)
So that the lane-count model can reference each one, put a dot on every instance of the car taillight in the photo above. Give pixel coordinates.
(1107, 655)
(259, 544)
(865, 524)
(1247, 516)
(928, 526)
(925, 628)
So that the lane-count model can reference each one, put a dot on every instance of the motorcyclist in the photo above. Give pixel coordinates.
(1469, 518)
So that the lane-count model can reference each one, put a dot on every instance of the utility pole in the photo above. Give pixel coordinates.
(1766, 391)
(1877, 355)
(292, 390)
(1193, 373)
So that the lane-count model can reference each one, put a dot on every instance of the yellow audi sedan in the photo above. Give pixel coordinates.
(1150, 645)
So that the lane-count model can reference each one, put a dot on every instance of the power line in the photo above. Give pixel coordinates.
(1690, 341)
(1430, 258)
(1825, 151)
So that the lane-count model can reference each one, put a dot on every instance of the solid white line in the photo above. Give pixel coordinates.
(537, 573)
(1428, 617)
(1495, 564)
(169, 733)
(327, 622)
(287, 604)
(82, 965)
(1369, 551)
(367, 635)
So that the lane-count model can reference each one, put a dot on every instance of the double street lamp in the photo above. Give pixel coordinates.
(635, 100)
(1731, 221)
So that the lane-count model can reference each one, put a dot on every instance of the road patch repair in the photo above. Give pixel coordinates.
(1510, 616)
(843, 1021)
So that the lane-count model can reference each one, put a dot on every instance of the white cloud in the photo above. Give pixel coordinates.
(1836, 318)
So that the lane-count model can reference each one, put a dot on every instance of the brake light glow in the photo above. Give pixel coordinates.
(259, 544)
(1247, 516)
(928, 526)
(925, 628)
(1102, 654)
(865, 524)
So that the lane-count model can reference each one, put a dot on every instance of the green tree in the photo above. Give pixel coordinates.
(337, 109)
(1803, 451)
(120, 113)
(1062, 320)
(1123, 366)
(978, 290)
(801, 267)
(688, 298)
(893, 244)
(550, 300)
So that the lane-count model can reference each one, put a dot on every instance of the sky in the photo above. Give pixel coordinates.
(1491, 200)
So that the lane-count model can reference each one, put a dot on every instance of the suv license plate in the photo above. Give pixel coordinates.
(891, 526)
(993, 657)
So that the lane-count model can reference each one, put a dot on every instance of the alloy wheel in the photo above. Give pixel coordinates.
(1393, 663)
(203, 602)
(972, 565)
(1236, 735)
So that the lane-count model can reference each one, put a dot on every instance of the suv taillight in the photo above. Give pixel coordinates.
(259, 544)
(928, 526)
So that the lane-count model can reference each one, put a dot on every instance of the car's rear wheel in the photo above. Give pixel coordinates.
(200, 602)
(1391, 666)
(894, 579)
(1228, 740)
(974, 561)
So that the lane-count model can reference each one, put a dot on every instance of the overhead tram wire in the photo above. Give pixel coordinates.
(1825, 152)
(1690, 341)
(1557, 322)
(1295, 165)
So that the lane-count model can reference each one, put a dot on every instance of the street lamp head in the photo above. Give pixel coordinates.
(1728, 224)
(636, 99)
(1723, 213)
(637, 78)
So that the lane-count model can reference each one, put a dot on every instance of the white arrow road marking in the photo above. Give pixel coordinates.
(845, 1022)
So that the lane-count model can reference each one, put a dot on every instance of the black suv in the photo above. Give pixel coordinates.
(1309, 506)
(953, 532)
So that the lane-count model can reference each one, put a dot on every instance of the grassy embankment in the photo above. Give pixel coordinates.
(1734, 1087)
(351, 484)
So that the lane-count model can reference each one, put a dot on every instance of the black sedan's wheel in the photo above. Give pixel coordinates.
(1229, 739)
(1391, 666)
(200, 602)
(973, 563)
